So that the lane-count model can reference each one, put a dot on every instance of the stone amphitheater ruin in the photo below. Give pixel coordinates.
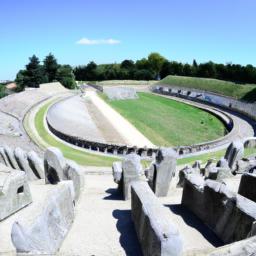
(50, 205)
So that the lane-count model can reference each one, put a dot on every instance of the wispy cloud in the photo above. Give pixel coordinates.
(86, 41)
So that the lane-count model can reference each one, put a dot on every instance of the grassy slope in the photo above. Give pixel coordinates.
(238, 91)
(80, 157)
(167, 122)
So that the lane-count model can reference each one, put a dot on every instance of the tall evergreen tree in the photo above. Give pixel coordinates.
(50, 67)
(34, 72)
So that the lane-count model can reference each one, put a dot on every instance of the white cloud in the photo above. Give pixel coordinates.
(86, 41)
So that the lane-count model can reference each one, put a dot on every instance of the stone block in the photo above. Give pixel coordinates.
(14, 191)
(132, 170)
(163, 171)
(54, 166)
(10, 156)
(155, 230)
(74, 174)
(231, 216)
(45, 234)
(247, 186)
(36, 163)
(22, 161)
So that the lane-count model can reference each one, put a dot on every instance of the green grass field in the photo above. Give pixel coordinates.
(167, 122)
(79, 156)
(238, 91)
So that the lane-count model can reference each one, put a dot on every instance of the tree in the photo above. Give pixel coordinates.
(50, 67)
(66, 77)
(127, 64)
(34, 73)
(156, 62)
(21, 80)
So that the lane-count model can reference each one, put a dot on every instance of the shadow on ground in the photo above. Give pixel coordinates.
(128, 238)
(114, 194)
(191, 220)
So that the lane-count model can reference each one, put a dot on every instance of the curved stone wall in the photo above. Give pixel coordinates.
(248, 109)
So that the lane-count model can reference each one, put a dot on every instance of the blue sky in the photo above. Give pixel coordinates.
(113, 30)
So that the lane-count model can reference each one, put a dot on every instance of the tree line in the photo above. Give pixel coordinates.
(156, 66)
(35, 73)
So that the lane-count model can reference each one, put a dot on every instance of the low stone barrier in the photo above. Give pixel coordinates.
(102, 147)
(231, 216)
(156, 233)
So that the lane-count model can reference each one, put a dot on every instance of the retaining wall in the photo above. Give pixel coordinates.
(248, 109)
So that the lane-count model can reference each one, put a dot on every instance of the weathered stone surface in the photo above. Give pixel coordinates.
(132, 170)
(10, 156)
(234, 153)
(120, 93)
(54, 166)
(223, 163)
(36, 163)
(45, 234)
(3, 158)
(22, 161)
(231, 216)
(246, 247)
(117, 171)
(14, 191)
(57, 169)
(183, 172)
(247, 187)
(74, 174)
(152, 221)
(162, 171)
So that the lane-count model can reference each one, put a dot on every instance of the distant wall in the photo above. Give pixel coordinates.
(248, 109)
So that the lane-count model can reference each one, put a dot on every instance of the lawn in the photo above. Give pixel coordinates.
(168, 122)
(235, 90)
(79, 156)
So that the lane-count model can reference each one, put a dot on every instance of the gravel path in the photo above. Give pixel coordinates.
(129, 133)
